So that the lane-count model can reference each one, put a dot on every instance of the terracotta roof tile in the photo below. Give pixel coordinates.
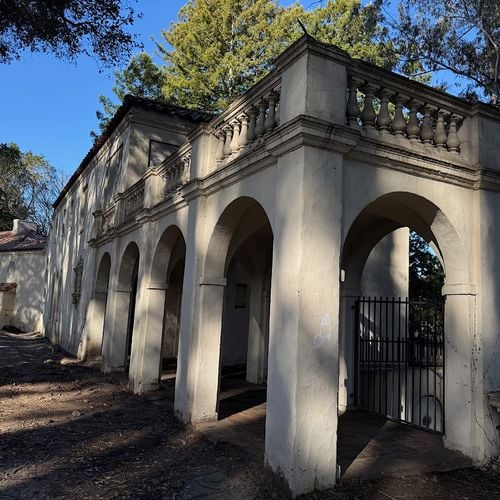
(24, 241)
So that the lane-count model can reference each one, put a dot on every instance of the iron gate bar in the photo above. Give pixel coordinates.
(411, 338)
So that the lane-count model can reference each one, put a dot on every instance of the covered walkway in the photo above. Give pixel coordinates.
(370, 446)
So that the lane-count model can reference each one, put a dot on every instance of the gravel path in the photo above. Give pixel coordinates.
(68, 431)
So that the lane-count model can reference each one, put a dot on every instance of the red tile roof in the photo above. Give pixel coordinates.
(21, 242)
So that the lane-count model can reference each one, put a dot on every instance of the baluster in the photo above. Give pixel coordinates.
(440, 131)
(252, 116)
(186, 168)
(368, 114)
(169, 180)
(353, 110)
(270, 122)
(398, 124)
(384, 118)
(243, 139)
(426, 132)
(235, 144)
(453, 141)
(259, 127)
(175, 176)
(228, 130)
(221, 136)
(413, 127)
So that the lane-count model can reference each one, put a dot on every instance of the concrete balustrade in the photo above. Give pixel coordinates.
(108, 218)
(381, 108)
(134, 199)
(249, 125)
(175, 170)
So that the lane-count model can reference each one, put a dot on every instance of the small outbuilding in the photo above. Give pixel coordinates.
(22, 276)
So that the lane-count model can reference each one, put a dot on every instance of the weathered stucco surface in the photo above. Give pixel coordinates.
(304, 201)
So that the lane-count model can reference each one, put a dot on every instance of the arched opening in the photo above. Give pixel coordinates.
(98, 308)
(393, 350)
(164, 306)
(245, 320)
(126, 299)
(240, 258)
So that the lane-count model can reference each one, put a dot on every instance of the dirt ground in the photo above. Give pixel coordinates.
(68, 431)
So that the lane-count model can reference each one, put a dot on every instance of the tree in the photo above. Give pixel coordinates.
(142, 78)
(28, 187)
(220, 48)
(426, 276)
(461, 36)
(215, 58)
(357, 29)
(66, 28)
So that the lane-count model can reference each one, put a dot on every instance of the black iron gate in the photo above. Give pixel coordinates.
(399, 358)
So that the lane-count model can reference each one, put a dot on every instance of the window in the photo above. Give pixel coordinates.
(241, 296)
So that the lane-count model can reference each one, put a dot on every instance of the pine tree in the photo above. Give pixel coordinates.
(142, 78)
(217, 49)
(220, 48)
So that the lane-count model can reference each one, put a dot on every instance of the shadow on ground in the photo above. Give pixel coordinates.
(71, 432)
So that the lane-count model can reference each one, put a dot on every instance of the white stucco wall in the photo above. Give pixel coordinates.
(329, 193)
(27, 269)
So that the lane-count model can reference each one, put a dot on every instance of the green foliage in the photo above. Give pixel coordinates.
(455, 35)
(28, 187)
(142, 78)
(66, 28)
(220, 48)
(217, 49)
(215, 58)
(355, 28)
(426, 273)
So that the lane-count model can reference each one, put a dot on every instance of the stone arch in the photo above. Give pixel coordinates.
(129, 263)
(117, 343)
(97, 307)
(164, 298)
(403, 209)
(376, 220)
(241, 218)
(241, 237)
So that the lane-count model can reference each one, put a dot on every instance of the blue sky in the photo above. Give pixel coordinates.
(48, 105)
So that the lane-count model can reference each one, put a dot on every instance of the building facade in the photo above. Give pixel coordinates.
(248, 239)
(22, 277)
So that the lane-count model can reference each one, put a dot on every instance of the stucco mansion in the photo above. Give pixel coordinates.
(263, 239)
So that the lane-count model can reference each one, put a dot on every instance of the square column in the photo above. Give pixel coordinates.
(458, 371)
(115, 329)
(256, 335)
(146, 355)
(301, 424)
(197, 377)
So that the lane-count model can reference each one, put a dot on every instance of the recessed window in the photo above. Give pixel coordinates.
(241, 296)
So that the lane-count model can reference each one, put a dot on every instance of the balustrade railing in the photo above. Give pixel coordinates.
(108, 218)
(245, 125)
(133, 199)
(175, 170)
(386, 108)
